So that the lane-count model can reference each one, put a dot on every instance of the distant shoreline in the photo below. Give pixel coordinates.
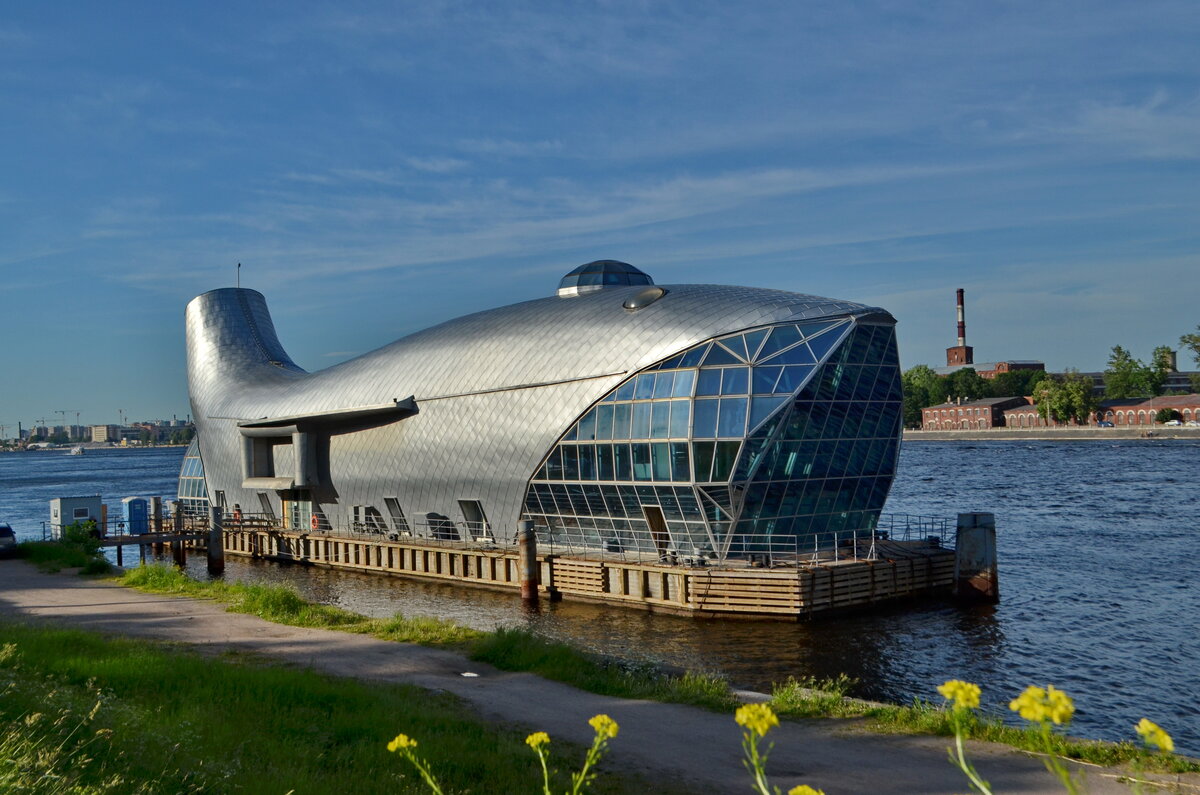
(1054, 434)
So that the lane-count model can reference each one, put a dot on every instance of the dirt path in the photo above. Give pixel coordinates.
(685, 744)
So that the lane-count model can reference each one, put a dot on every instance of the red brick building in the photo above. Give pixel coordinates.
(972, 415)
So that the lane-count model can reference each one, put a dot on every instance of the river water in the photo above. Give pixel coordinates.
(1098, 578)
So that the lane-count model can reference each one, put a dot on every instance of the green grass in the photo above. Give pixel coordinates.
(81, 713)
(520, 650)
(54, 556)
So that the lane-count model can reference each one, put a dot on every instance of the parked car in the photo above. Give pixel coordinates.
(1192, 424)
(1104, 424)
(1172, 422)
(8, 541)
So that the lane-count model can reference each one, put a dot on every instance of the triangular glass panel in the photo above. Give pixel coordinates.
(753, 340)
(823, 344)
(736, 344)
(692, 358)
(719, 355)
(813, 329)
(711, 506)
(781, 337)
(719, 495)
(762, 407)
(672, 363)
(797, 354)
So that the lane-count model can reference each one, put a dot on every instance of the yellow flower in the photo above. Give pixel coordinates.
(537, 740)
(964, 694)
(1038, 706)
(401, 742)
(1153, 735)
(804, 789)
(605, 726)
(758, 718)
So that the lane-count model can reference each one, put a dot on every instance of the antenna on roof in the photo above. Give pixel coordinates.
(239, 277)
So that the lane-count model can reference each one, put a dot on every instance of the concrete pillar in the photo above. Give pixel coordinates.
(975, 576)
(216, 542)
(528, 562)
(178, 546)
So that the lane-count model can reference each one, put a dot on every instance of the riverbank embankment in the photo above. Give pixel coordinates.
(1067, 434)
(688, 744)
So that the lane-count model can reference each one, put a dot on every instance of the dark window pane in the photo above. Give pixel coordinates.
(660, 419)
(621, 415)
(764, 379)
(781, 337)
(821, 345)
(792, 377)
(612, 500)
(661, 455)
(753, 340)
(724, 457)
(684, 380)
(645, 386)
(798, 354)
(812, 329)
(709, 382)
(704, 425)
(604, 422)
(680, 470)
(736, 381)
(587, 462)
(672, 363)
(736, 344)
(623, 466)
(732, 421)
(570, 455)
(625, 390)
(554, 470)
(693, 357)
(587, 427)
(761, 408)
(571, 434)
(663, 383)
(719, 355)
(641, 461)
(703, 452)
(641, 421)
(604, 462)
(681, 415)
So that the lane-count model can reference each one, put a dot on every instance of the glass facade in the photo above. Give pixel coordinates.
(751, 439)
(193, 492)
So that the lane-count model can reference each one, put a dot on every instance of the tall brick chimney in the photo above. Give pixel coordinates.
(962, 353)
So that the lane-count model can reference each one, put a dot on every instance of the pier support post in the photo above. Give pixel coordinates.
(178, 547)
(156, 523)
(216, 542)
(527, 552)
(975, 576)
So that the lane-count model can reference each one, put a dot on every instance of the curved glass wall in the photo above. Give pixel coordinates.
(780, 431)
(193, 491)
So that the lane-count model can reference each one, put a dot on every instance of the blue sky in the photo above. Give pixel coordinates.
(378, 168)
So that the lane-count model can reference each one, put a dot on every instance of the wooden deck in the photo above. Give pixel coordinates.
(802, 589)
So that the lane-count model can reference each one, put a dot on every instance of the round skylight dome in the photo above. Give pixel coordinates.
(599, 275)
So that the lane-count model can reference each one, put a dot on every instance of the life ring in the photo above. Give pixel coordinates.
(314, 522)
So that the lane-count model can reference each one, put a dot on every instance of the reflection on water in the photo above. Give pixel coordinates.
(1097, 577)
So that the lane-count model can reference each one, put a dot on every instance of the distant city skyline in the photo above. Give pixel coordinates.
(379, 170)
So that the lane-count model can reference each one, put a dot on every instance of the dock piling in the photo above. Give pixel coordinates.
(216, 542)
(528, 562)
(178, 546)
(975, 576)
(156, 523)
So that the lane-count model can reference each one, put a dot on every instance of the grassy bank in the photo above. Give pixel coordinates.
(82, 713)
(518, 650)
